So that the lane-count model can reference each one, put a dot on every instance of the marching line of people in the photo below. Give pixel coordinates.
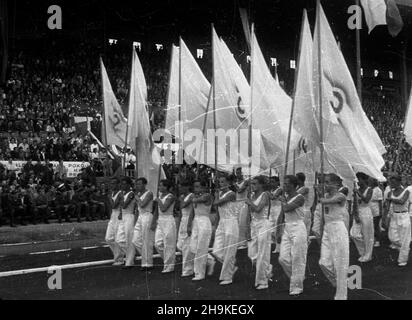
(250, 214)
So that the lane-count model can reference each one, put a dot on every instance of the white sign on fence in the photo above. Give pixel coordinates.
(73, 168)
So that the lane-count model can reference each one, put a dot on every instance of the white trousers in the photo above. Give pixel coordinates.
(165, 241)
(124, 234)
(142, 241)
(225, 247)
(183, 245)
(308, 220)
(365, 243)
(334, 260)
(199, 244)
(317, 222)
(293, 253)
(400, 234)
(243, 223)
(273, 219)
(259, 250)
(111, 233)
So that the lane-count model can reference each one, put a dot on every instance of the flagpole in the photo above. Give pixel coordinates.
(180, 152)
(214, 98)
(128, 120)
(358, 61)
(292, 111)
(252, 58)
(322, 147)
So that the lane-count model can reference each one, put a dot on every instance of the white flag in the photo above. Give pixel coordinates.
(114, 122)
(348, 133)
(271, 109)
(140, 136)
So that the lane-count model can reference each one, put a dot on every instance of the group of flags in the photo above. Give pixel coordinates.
(134, 131)
(325, 111)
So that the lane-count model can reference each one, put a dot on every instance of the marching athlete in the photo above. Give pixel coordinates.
(275, 209)
(304, 191)
(260, 229)
(113, 226)
(165, 226)
(294, 245)
(376, 205)
(227, 233)
(200, 229)
(334, 260)
(241, 186)
(143, 236)
(183, 242)
(400, 223)
(365, 239)
(126, 226)
(345, 191)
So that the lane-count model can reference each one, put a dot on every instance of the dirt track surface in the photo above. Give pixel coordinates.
(381, 279)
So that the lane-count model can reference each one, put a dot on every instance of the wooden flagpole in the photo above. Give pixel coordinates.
(292, 112)
(321, 135)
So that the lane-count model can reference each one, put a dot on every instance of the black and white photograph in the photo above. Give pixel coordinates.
(208, 155)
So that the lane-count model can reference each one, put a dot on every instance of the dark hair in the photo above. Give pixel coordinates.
(185, 183)
(127, 180)
(260, 179)
(293, 180)
(362, 176)
(334, 178)
(166, 183)
(142, 180)
(396, 178)
(202, 183)
(229, 178)
(301, 177)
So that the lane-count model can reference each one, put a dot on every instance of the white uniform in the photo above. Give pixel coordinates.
(112, 228)
(200, 240)
(363, 234)
(226, 239)
(143, 236)
(377, 196)
(347, 221)
(183, 242)
(243, 214)
(165, 236)
(400, 228)
(275, 209)
(334, 260)
(124, 235)
(259, 247)
(317, 221)
(294, 247)
(306, 208)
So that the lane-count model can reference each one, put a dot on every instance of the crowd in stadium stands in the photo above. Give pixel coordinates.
(47, 87)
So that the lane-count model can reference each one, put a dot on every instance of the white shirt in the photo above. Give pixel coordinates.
(94, 146)
(374, 203)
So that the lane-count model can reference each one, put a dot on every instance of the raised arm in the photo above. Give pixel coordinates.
(230, 197)
(402, 200)
(263, 203)
(170, 200)
(293, 205)
(336, 199)
(146, 200)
